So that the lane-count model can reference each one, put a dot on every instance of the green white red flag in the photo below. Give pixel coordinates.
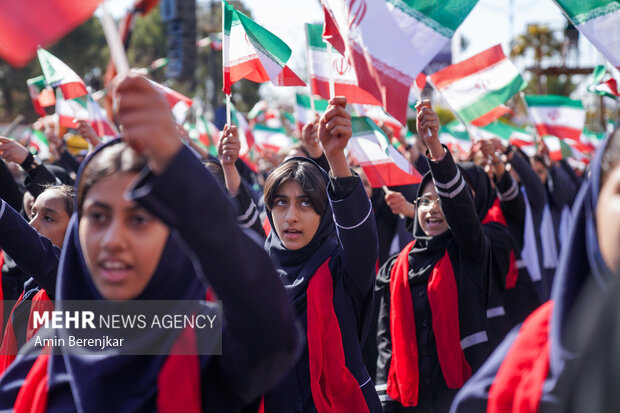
(179, 103)
(41, 94)
(556, 115)
(208, 134)
(381, 162)
(69, 110)
(58, 74)
(39, 145)
(388, 43)
(266, 137)
(345, 79)
(252, 52)
(599, 21)
(476, 87)
(27, 24)
(98, 119)
(603, 83)
(304, 109)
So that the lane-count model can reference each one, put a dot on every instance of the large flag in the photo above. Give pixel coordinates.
(599, 21)
(556, 115)
(603, 84)
(58, 74)
(41, 94)
(26, 24)
(345, 80)
(304, 109)
(252, 52)
(476, 87)
(381, 162)
(390, 42)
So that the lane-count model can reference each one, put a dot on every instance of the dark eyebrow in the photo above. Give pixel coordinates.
(99, 204)
(48, 210)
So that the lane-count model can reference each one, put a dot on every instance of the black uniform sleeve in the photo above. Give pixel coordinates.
(512, 204)
(564, 189)
(459, 209)
(260, 339)
(33, 253)
(9, 191)
(37, 179)
(68, 162)
(357, 233)
(248, 216)
(384, 337)
(536, 193)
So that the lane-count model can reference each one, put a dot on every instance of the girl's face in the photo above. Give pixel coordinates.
(430, 215)
(49, 216)
(608, 220)
(294, 218)
(122, 242)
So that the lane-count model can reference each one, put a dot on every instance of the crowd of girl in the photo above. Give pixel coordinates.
(466, 292)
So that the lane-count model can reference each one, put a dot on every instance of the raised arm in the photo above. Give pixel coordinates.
(536, 193)
(352, 209)
(457, 202)
(260, 338)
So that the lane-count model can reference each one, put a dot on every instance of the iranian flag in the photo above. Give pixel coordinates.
(603, 84)
(380, 117)
(381, 162)
(99, 120)
(252, 52)
(476, 87)
(39, 145)
(69, 110)
(304, 109)
(58, 74)
(208, 134)
(599, 21)
(560, 149)
(454, 135)
(179, 103)
(556, 115)
(345, 80)
(26, 24)
(266, 137)
(388, 43)
(41, 94)
(245, 133)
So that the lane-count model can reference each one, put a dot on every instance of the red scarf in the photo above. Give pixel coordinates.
(41, 303)
(32, 397)
(518, 384)
(404, 377)
(495, 214)
(334, 389)
(8, 350)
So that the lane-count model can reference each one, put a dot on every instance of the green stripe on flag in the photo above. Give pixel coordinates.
(229, 15)
(320, 105)
(315, 36)
(38, 82)
(580, 11)
(363, 125)
(444, 17)
(456, 130)
(267, 43)
(552, 100)
(493, 99)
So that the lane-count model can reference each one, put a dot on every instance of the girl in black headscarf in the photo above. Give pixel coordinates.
(432, 330)
(324, 244)
(142, 233)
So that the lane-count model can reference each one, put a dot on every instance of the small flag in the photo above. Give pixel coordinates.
(381, 162)
(208, 134)
(39, 145)
(252, 52)
(603, 84)
(99, 120)
(304, 109)
(179, 103)
(477, 86)
(266, 137)
(41, 94)
(70, 109)
(556, 115)
(58, 74)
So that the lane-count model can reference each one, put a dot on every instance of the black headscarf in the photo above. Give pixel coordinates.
(297, 267)
(93, 378)
(479, 181)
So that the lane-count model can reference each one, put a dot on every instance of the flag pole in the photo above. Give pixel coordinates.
(419, 94)
(456, 115)
(117, 51)
(310, 63)
(225, 59)
(331, 71)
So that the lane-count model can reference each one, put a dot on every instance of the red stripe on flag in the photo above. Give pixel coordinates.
(559, 131)
(73, 90)
(331, 33)
(388, 174)
(288, 78)
(252, 70)
(354, 93)
(489, 117)
(67, 121)
(468, 67)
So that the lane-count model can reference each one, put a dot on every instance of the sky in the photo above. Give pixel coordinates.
(488, 23)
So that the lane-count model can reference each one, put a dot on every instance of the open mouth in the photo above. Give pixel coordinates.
(434, 221)
(114, 271)
(292, 233)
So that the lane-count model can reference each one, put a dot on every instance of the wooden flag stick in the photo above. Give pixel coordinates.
(331, 71)
(117, 51)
